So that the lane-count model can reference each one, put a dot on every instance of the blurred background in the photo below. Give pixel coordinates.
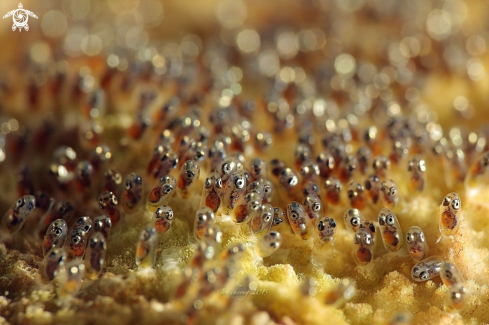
(437, 48)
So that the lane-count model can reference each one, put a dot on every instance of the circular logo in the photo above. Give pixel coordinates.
(20, 17)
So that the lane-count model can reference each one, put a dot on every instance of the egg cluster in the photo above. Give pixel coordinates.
(221, 166)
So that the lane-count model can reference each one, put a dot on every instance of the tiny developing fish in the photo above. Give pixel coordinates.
(372, 185)
(390, 229)
(203, 218)
(213, 236)
(95, 256)
(288, 179)
(364, 156)
(84, 173)
(225, 169)
(416, 243)
(363, 252)
(388, 189)
(52, 263)
(267, 189)
(108, 203)
(112, 181)
(347, 168)
(233, 252)
(76, 243)
(132, 194)
(268, 244)
(341, 293)
(189, 173)
(299, 220)
(211, 195)
(309, 171)
(59, 210)
(234, 190)
(278, 216)
(84, 222)
(55, 236)
(455, 298)
(381, 166)
(311, 187)
(354, 221)
(450, 215)
(257, 168)
(477, 174)
(102, 224)
(313, 206)
(16, 215)
(263, 220)
(416, 169)
(247, 207)
(161, 193)
(70, 278)
(426, 269)
(324, 237)
(333, 188)
(357, 196)
(450, 274)
(146, 248)
(326, 164)
(163, 219)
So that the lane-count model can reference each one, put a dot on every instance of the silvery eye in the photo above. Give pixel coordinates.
(392, 191)
(367, 240)
(421, 238)
(20, 203)
(294, 215)
(239, 183)
(226, 168)
(128, 184)
(424, 275)
(356, 240)
(446, 201)
(354, 222)
(189, 174)
(316, 207)
(267, 217)
(158, 213)
(408, 238)
(219, 183)
(456, 204)
(75, 240)
(422, 165)
(390, 220)
(208, 183)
